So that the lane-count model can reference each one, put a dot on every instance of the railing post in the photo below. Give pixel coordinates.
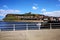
(39, 26)
(26, 26)
(0, 29)
(50, 26)
(13, 27)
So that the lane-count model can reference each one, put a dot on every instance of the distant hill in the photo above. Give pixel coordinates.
(30, 16)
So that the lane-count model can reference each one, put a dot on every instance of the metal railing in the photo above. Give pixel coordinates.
(19, 27)
(14, 27)
(54, 25)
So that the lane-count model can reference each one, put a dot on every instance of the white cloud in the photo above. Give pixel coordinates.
(58, 5)
(4, 12)
(53, 13)
(5, 6)
(58, 0)
(35, 4)
(17, 10)
(43, 10)
(34, 8)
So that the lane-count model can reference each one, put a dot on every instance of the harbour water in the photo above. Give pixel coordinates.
(5, 26)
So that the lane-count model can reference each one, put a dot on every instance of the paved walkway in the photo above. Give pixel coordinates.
(46, 34)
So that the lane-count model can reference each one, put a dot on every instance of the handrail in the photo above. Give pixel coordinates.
(26, 25)
(54, 23)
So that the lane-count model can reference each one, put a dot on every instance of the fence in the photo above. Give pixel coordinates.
(54, 25)
(14, 27)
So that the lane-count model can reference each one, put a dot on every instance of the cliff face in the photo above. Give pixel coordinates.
(10, 17)
(27, 16)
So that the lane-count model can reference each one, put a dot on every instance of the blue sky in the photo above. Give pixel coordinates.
(46, 7)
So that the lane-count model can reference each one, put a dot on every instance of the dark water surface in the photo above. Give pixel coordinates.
(18, 25)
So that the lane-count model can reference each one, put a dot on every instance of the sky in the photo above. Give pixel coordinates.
(45, 7)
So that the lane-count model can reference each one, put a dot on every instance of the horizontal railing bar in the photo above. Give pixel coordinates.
(17, 26)
(6, 27)
(29, 24)
(53, 23)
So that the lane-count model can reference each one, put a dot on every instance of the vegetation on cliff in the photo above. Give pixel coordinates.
(13, 17)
